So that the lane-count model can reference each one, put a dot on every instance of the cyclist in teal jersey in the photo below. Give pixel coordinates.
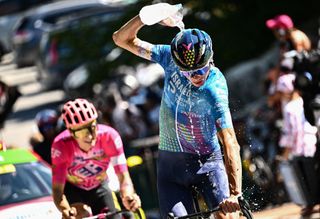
(194, 118)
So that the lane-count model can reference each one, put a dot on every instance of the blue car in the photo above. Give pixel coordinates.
(28, 30)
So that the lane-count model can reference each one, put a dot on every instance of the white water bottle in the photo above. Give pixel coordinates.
(169, 15)
(179, 210)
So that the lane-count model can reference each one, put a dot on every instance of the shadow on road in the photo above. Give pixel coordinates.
(29, 113)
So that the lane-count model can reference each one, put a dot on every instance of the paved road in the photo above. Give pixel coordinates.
(20, 123)
(285, 211)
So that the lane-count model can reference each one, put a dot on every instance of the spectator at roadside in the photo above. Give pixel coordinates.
(289, 38)
(285, 67)
(298, 139)
(41, 140)
(8, 97)
(298, 136)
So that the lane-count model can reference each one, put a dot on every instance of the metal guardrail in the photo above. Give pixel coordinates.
(145, 142)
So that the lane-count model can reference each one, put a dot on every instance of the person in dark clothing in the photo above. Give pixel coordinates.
(47, 123)
(8, 97)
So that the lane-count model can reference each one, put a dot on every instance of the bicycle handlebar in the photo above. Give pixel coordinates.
(105, 215)
(244, 205)
(204, 214)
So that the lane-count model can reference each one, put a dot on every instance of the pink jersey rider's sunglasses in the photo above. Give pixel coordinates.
(85, 131)
(200, 71)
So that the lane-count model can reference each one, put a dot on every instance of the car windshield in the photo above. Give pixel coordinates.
(25, 182)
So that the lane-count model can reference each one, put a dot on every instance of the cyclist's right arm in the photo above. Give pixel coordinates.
(59, 157)
(61, 201)
(126, 38)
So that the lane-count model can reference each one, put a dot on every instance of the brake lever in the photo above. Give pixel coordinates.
(245, 207)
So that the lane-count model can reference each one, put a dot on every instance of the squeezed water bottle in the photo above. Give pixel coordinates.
(179, 210)
(166, 14)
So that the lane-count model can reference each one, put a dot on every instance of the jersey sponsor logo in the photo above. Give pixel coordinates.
(55, 153)
(175, 84)
(88, 174)
(89, 170)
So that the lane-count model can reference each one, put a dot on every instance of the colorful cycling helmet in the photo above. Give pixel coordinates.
(280, 21)
(78, 113)
(46, 116)
(46, 119)
(191, 49)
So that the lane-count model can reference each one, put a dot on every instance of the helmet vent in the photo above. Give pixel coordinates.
(68, 118)
(76, 119)
(82, 116)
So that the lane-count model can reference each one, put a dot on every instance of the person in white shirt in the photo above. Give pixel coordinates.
(298, 137)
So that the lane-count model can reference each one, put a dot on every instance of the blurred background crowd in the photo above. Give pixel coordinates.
(69, 44)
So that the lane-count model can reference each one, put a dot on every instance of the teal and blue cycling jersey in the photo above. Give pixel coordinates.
(190, 116)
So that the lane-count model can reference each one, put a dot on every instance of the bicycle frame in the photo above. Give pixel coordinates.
(105, 215)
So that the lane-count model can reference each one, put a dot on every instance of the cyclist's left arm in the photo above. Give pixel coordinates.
(130, 199)
(232, 159)
(227, 137)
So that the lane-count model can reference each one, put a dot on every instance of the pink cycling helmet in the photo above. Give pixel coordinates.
(280, 21)
(78, 112)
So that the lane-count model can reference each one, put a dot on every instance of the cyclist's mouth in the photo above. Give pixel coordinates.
(91, 142)
(198, 83)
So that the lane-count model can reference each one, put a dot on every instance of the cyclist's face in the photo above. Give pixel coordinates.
(280, 33)
(86, 135)
(197, 77)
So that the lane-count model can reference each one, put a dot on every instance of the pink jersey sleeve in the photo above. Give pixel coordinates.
(114, 148)
(60, 155)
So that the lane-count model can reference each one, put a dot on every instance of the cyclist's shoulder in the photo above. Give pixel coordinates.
(63, 147)
(104, 129)
(164, 47)
(63, 136)
(216, 78)
(108, 133)
(161, 49)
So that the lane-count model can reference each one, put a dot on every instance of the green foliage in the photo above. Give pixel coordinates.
(237, 28)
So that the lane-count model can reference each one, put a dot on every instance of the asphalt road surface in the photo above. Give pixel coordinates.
(285, 211)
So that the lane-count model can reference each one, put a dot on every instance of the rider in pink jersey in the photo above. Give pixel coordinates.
(80, 157)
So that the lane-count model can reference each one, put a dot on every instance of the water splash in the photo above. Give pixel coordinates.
(180, 25)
